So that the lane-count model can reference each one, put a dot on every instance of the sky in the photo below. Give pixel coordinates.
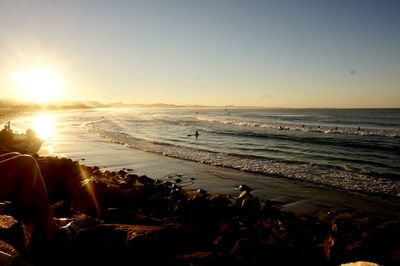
(342, 53)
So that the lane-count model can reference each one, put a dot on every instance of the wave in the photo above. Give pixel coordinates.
(345, 143)
(303, 127)
(196, 120)
(363, 182)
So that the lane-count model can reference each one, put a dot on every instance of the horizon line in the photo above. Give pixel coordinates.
(98, 104)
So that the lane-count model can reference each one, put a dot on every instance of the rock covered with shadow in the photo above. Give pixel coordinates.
(126, 219)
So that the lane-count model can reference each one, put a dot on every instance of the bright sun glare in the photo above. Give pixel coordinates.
(43, 125)
(38, 84)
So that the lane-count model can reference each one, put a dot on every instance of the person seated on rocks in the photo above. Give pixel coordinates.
(22, 183)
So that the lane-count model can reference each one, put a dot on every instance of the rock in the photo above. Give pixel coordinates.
(329, 245)
(145, 180)
(244, 187)
(123, 244)
(122, 173)
(8, 249)
(199, 258)
(305, 208)
(360, 263)
(396, 256)
(12, 231)
(151, 222)
(244, 247)
(7, 208)
(7, 259)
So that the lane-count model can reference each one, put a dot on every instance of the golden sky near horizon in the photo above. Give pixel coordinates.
(274, 54)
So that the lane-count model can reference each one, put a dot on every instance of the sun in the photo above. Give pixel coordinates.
(38, 84)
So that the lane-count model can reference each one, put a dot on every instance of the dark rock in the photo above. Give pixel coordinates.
(201, 191)
(145, 180)
(244, 247)
(10, 257)
(200, 258)
(8, 249)
(244, 187)
(122, 173)
(12, 231)
(131, 178)
(7, 208)
(161, 223)
(132, 243)
(329, 246)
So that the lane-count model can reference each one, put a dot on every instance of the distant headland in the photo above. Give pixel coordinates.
(61, 105)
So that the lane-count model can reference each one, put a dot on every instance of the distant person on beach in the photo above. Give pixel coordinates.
(7, 127)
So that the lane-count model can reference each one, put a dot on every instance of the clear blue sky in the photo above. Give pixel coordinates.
(297, 53)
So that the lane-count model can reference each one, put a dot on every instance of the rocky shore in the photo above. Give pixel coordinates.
(121, 218)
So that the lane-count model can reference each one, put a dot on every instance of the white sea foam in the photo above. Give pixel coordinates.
(303, 128)
(311, 173)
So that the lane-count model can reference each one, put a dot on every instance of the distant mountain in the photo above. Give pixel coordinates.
(7, 103)
(92, 104)
(163, 105)
(166, 105)
(27, 106)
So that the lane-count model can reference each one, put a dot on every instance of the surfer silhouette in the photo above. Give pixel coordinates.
(196, 134)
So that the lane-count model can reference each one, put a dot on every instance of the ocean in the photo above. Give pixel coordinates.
(356, 150)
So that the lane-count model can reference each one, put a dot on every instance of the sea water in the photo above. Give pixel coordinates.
(348, 149)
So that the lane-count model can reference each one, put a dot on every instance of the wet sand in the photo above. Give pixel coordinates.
(295, 196)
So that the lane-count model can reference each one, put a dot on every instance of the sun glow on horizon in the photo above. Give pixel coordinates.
(38, 84)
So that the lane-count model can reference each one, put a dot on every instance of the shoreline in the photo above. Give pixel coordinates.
(216, 179)
(95, 150)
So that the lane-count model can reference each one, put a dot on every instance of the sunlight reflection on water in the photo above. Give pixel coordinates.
(43, 124)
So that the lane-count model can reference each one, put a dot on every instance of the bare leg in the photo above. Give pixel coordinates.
(21, 180)
(8, 155)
